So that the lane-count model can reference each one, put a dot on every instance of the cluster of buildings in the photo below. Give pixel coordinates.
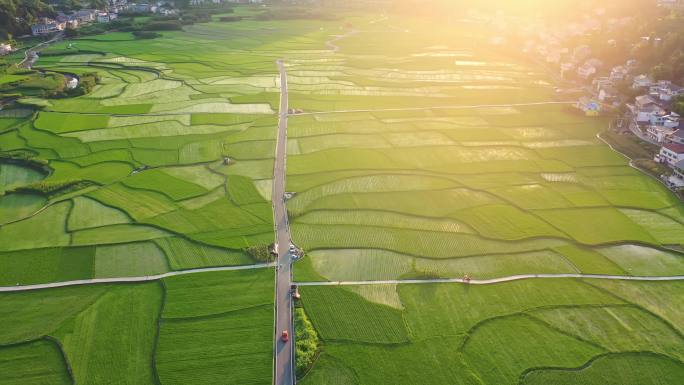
(650, 113)
(578, 64)
(673, 155)
(650, 117)
(604, 90)
(671, 3)
(159, 7)
(46, 26)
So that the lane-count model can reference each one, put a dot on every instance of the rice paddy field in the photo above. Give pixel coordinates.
(173, 164)
(415, 151)
(174, 331)
(424, 152)
(165, 166)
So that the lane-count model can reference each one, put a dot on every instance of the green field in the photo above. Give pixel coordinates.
(416, 150)
(162, 167)
(141, 333)
(172, 169)
(207, 335)
(537, 330)
(422, 183)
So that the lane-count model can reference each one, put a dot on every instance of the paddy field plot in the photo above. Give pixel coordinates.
(414, 158)
(63, 335)
(230, 333)
(171, 159)
(469, 327)
(412, 161)
(177, 162)
(12, 176)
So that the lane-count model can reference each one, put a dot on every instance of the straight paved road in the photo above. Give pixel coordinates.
(283, 351)
(131, 279)
(494, 280)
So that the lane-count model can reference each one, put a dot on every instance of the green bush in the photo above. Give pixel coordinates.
(146, 35)
(71, 32)
(171, 25)
(228, 19)
(306, 342)
(678, 105)
(25, 158)
(260, 253)
(55, 52)
(51, 189)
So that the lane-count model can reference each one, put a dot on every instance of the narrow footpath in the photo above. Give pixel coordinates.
(493, 280)
(144, 278)
(283, 372)
(31, 54)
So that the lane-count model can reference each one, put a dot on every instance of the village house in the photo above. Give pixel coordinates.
(117, 5)
(678, 169)
(670, 154)
(139, 8)
(671, 3)
(619, 73)
(676, 180)
(46, 26)
(600, 82)
(641, 81)
(5, 48)
(106, 17)
(71, 21)
(678, 136)
(586, 71)
(644, 108)
(604, 89)
(86, 15)
(581, 53)
(665, 90)
(660, 134)
(589, 106)
(565, 68)
(72, 83)
(166, 11)
(607, 93)
(667, 120)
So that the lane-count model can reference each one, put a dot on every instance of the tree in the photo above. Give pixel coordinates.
(71, 32)
(182, 4)
(98, 4)
(678, 105)
(17, 15)
(661, 72)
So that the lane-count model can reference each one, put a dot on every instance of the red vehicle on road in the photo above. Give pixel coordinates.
(285, 336)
